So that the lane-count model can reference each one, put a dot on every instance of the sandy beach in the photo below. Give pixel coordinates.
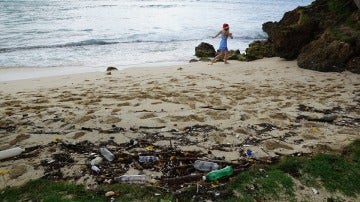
(269, 106)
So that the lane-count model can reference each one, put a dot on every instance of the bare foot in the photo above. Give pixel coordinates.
(212, 62)
(226, 63)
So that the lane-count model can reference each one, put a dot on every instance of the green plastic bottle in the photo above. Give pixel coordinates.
(217, 174)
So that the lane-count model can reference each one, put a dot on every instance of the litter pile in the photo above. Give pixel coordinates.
(140, 161)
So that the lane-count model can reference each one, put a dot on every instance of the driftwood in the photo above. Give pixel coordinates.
(213, 108)
(152, 127)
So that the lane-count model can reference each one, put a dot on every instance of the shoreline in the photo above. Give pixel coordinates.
(23, 73)
(270, 106)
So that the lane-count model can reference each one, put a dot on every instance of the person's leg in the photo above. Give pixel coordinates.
(217, 57)
(225, 57)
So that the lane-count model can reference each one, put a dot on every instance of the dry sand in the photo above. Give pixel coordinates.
(253, 105)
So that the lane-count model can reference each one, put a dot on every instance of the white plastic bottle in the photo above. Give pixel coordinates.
(107, 154)
(131, 179)
(11, 152)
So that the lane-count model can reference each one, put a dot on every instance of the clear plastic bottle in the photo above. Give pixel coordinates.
(217, 174)
(96, 161)
(205, 165)
(131, 179)
(95, 169)
(107, 154)
(148, 159)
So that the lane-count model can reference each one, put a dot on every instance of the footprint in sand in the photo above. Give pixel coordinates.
(19, 138)
(85, 119)
(218, 115)
(191, 117)
(112, 120)
(272, 145)
(174, 80)
(148, 115)
(279, 116)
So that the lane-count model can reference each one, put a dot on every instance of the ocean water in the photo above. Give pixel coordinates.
(67, 36)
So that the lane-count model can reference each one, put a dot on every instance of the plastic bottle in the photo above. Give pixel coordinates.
(131, 179)
(96, 161)
(148, 159)
(10, 152)
(107, 154)
(205, 165)
(252, 154)
(95, 168)
(249, 153)
(217, 174)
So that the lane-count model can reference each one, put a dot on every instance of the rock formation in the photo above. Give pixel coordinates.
(205, 50)
(324, 36)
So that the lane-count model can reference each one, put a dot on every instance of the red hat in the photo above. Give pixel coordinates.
(225, 25)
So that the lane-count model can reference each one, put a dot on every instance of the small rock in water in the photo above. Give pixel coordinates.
(111, 69)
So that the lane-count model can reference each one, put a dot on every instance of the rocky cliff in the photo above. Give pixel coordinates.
(324, 36)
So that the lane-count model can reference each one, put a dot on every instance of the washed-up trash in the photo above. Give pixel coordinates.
(96, 169)
(96, 161)
(249, 153)
(148, 159)
(217, 174)
(133, 142)
(205, 165)
(107, 154)
(315, 191)
(109, 193)
(11, 152)
(150, 148)
(3, 172)
(131, 179)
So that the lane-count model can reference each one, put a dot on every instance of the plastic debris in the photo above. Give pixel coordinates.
(148, 159)
(107, 154)
(3, 172)
(131, 179)
(96, 169)
(11, 152)
(217, 174)
(109, 193)
(205, 165)
(315, 191)
(96, 161)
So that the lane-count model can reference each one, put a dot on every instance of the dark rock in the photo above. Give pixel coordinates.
(204, 59)
(111, 69)
(357, 3)
(323, 36)
(259, 50)
(325, 54)
(295, 30)
(233, 54)
(205, 50)
(193, 60)
(353, 65)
